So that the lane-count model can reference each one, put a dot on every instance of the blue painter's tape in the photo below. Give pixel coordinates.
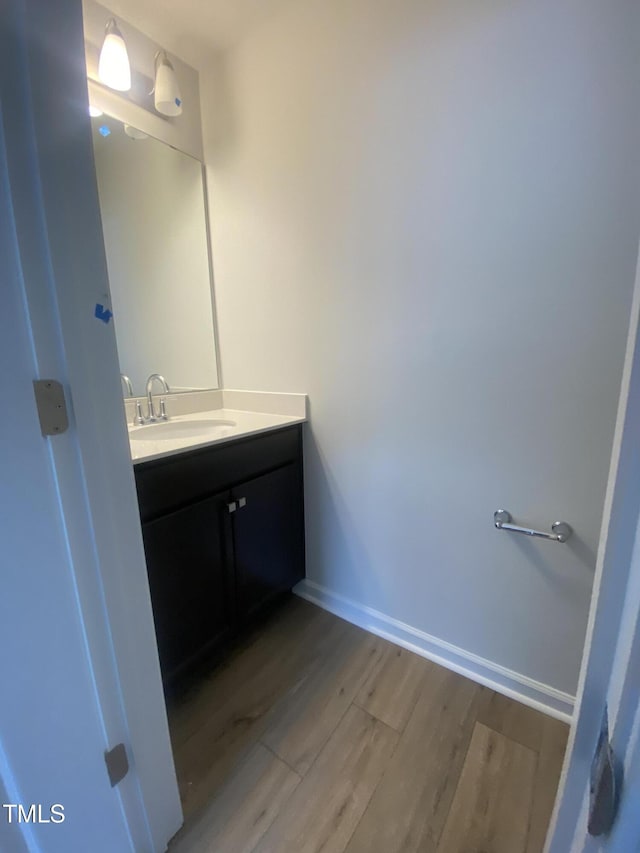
(103, 313)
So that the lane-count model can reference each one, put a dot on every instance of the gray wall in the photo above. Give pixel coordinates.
(425, 215)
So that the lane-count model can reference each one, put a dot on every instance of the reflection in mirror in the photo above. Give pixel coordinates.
(152, 202)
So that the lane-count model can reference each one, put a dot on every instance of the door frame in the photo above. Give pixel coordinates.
(609, 651)
(58, 229)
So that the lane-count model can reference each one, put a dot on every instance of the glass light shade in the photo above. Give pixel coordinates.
(167, 98)
(113, 68)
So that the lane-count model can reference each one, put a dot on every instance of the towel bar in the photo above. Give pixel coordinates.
(561, 531)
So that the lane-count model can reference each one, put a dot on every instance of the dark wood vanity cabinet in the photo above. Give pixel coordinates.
(223, 531)
(267, 544)
(191, 586)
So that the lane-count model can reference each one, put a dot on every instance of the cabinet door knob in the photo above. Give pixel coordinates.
(232, 507)
(242, 502)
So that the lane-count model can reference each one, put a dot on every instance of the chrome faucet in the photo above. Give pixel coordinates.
(151, 415)
(126, 382)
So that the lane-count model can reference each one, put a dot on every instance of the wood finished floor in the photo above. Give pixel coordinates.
(317, 737)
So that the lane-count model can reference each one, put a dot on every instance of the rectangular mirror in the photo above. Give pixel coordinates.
(152, 201)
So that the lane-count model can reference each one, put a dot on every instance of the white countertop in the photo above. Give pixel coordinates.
(244, 424)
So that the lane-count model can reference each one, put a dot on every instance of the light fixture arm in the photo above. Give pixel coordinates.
(112, 29)
(156, 61)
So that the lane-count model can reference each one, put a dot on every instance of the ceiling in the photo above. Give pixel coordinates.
(193, 29)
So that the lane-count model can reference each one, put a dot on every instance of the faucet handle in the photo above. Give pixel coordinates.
(139, 419)
(163, 410)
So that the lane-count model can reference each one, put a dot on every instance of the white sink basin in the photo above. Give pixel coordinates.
(171, 430)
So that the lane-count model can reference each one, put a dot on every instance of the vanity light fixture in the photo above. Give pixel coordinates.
(167, 98)
(114, 69)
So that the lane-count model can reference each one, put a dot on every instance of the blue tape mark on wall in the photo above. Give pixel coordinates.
(103, 313)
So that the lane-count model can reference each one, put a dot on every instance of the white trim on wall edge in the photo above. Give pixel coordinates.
(536, 695)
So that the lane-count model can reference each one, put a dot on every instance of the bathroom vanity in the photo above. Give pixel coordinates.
(223, 530)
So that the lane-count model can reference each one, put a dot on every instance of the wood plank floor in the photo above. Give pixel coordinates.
(318, 737)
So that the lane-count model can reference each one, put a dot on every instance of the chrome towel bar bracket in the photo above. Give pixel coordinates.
(561, 531)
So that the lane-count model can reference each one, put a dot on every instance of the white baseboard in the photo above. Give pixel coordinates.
(536, 695)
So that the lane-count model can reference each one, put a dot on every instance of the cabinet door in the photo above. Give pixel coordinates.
(190, 581)
(268, 537)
